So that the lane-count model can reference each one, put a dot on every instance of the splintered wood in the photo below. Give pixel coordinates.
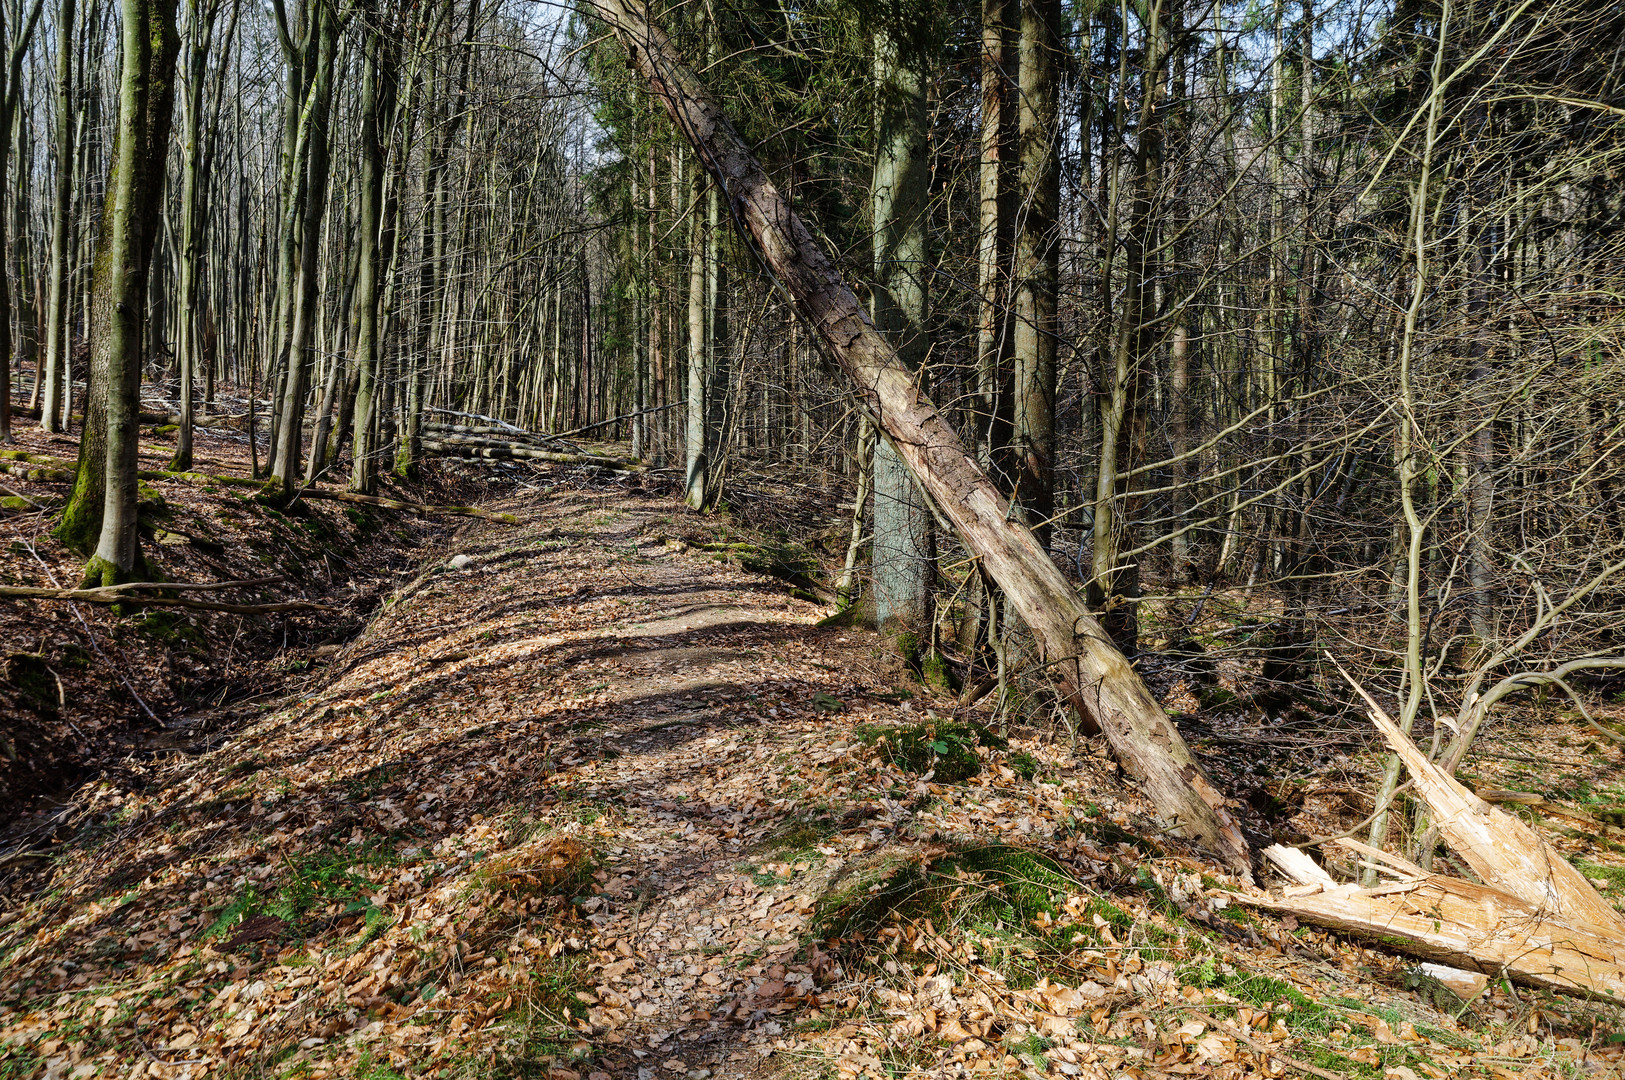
(1536, 920)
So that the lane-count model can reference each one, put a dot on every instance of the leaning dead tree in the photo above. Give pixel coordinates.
(1094, 676)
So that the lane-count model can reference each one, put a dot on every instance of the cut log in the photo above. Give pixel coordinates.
(1094, 676)
(1461, 924)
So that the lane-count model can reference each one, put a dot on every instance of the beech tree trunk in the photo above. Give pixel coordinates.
(200, 22)
(10, 89)
(302, 337)
(1094, 676)
(130, 221)
(904, 557)
(377, 108)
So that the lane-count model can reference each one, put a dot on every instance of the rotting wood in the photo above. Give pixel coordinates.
(1462, 924)
(1094, 676)
(1504, 852)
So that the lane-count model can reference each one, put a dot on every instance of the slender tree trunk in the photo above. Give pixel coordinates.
(903, 558)
(200, 18)
(1113, 587)
(698, 459)
(301, 343)
(377, 104)
(53, 415)
(994, 341)
(718, 346)
(1037, 261)
(10, 89)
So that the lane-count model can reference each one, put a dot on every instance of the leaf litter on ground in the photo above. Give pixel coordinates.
(590, 804)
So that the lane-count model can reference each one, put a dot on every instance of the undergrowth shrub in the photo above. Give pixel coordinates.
(945, 748)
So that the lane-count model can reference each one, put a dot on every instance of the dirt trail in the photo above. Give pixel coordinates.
(580, 684)
(573, 805)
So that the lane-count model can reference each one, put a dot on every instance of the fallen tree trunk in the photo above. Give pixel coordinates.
(201, 478)
(39, 474)
(525, 453)
(1455, 922)
(134, 592)
(1094, 676)
(487, 431)
(481, 441)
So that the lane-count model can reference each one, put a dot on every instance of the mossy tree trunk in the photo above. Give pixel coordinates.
(130, 220)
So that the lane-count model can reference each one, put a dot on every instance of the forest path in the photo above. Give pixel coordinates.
(566, 804)
(664, 689)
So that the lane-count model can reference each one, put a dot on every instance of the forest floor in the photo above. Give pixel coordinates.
(584, 799)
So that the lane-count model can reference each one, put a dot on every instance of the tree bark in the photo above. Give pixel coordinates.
(130, 220)
(697, 457)
(377, 103)
(53, 415)
(1114, 587)
(903, 556)
(200, 21)
(10, 88)
(1036, 268)
(1094, 676)
(993, 330)
(301, 341)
